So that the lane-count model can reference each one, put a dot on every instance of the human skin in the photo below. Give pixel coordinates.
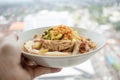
(14, 66)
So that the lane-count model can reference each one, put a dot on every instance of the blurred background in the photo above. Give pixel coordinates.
(102, 16)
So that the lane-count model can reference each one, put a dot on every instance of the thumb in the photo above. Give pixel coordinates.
(9, 43)
(10, 39)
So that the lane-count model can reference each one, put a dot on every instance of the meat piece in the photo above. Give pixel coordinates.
(84, 47)
(76, 48)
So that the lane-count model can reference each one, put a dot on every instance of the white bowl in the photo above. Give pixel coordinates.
(64, 61)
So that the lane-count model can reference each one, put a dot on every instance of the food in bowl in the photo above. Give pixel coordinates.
(60, 40)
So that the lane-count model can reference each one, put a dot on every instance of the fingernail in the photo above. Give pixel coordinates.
(57, 70)
(16, 35)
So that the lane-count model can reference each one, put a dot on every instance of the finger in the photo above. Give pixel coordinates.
(9, 45)
(12, 37)
(36, 70)
(8, 50)
(10, 40)
(39, 70)
(1, 36)
(26, 62)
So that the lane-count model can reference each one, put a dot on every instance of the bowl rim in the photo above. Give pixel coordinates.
(87, 53)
